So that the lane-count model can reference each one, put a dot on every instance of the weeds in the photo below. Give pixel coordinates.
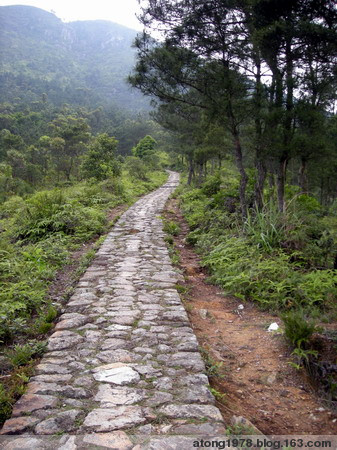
(15, 386)
(22, 354)
(213, 368)
(219, 396)
(171, 227)
(297, 329)
(299, 332)
(279, 261)
(266, 228)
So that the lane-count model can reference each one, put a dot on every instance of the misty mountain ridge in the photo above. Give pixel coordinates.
(81, 62)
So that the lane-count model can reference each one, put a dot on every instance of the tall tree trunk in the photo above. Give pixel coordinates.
(190, 171)
(302, 175)
(243, 174)
(259, 157)
(287, 128)
(281, 181)
(212, 166)
(201, 174)
(260, 180)
(238, 157)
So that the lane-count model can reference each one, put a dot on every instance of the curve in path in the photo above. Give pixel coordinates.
(123, 360)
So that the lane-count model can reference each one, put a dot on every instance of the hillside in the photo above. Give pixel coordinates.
(83, 63)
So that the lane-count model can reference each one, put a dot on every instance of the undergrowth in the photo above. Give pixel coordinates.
(38, 234)
(279, 261)
(284, 262)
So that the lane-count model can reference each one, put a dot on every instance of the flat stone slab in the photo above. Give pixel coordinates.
(47, 368)
(65, 421)
(191, 412)
(71, 320)
(110, 419)
(24, 443)
(31, 402)
(114, 356)
(115, 440)
(63, 339)
(109, 396)
(116, 373)
(18, 424)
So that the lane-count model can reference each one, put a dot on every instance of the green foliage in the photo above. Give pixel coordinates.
(145, 147)
(9, 207)
(213, 368)
(51, 314)
(220, 397)
(211, 185)
(308, 203)
(298, 329)
(267, 228)
(302, 357)
(171, 227)
(100, 162)
(5, 404)
(48, 212)
(275, 260)
(136, 168)
(22, 354)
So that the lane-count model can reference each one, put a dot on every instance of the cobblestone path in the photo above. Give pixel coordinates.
(122, 364)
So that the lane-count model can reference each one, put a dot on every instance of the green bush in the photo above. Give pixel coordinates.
(49, 212)
(211, 186)
(266, 228)
(171, 227)
(136, 168)
(298, 330)
(5, 404)
(20, 355)
(9, 207)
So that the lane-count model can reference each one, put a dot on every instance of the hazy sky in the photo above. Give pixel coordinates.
(119, 11)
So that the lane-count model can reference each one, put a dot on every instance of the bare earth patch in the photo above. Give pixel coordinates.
(258, 382)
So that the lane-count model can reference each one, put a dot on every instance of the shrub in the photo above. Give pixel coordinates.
(136, 168)
(12, 205)
(171, 227)
(22, 354)
(49, 212)
(211, 186)
(266, 228)
(297, 329)
(272, 259)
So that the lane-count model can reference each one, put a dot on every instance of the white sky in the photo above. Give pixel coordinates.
(119, 11)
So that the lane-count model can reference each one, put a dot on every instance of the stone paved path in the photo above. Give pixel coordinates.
(123, 360)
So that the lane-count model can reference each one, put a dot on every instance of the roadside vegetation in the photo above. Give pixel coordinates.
(42, 224)
(283, 262)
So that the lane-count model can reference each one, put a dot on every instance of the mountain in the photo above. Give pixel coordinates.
(83, 63)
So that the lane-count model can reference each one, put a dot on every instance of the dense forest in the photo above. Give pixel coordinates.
(82, 63)
(243, 97)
